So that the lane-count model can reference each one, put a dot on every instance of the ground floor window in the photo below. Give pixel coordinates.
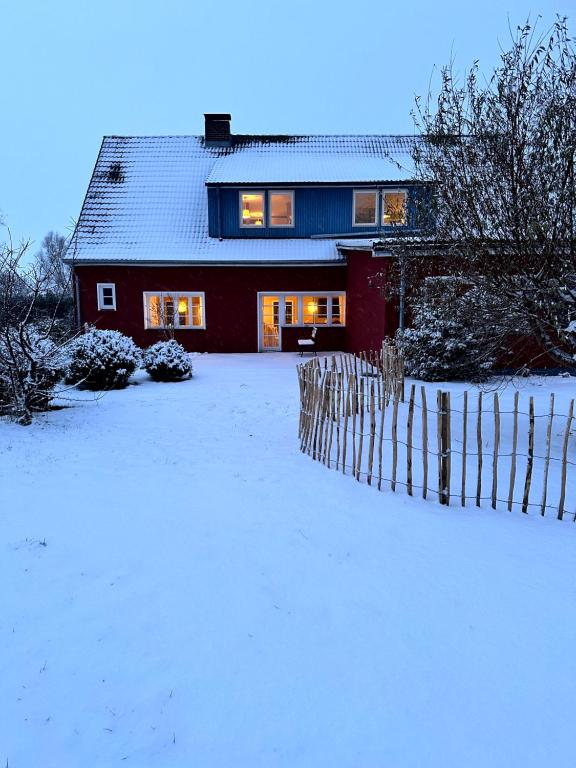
(182, 309)
(323, 310)
(106, 293)
(279, 310)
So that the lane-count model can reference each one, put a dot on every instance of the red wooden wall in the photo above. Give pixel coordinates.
(231, 299)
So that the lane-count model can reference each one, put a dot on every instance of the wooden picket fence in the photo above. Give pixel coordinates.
(356, 417)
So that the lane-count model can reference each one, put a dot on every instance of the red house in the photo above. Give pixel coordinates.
(240, 243)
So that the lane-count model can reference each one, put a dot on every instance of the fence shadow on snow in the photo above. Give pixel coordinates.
(357, 416)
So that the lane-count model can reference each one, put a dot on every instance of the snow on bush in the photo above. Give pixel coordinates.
(167, 361)
(31, 365)
(102, 360)
(451, 326)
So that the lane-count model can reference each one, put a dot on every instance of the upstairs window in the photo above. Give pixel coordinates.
(106, 293)
(252, 209)
(365, 207)
(174, 310)
(394, 207)
(281, 209)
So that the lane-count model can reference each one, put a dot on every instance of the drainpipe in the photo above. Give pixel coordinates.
(402, 302)
(76, 295)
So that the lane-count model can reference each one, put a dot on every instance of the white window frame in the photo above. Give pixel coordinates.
(280, 192)
(175, 296)
(102, 307)
(241, 207)
(393, 190)
(282, 295)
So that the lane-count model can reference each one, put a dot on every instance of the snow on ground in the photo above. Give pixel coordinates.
(181, 587)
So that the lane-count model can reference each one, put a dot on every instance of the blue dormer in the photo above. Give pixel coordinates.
(286, 193)
(309, 211)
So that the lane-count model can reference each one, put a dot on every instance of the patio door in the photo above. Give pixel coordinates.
(274, 312)
(270, 323)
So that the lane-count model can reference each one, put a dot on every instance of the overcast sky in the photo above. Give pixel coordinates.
(75, 70)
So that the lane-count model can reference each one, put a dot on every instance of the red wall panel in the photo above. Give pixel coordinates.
(231, 299)
(370, 317)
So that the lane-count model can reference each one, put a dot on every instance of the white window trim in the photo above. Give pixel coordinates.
(395, 190)
(280, 192)
(300, 296)
(100, 294)
(364, 191)
(175, 295)
(241, 207)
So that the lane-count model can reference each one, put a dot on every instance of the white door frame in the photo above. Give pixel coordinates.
(282, 312)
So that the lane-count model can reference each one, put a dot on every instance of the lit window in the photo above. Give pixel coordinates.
(394, 207)
(281, 209)
(291, 310)
(106, 293)
(338, 316)
(315, 310)
(252, 209)
(174, 310)
(364, 207)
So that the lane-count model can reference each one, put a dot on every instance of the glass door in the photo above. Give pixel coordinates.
(270, 323)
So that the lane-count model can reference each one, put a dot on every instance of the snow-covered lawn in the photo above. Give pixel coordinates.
(181, 587)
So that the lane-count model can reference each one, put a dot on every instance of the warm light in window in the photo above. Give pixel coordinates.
(312, 307)
(183, 306)
(394, 207)
(252, 207)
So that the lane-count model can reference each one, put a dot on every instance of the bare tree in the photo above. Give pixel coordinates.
(31, 361)
(50, 264)
(497, 160)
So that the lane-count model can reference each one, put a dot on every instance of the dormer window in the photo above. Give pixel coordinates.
(394, 207)
(281, 209)
(365, 202)
(252, 209)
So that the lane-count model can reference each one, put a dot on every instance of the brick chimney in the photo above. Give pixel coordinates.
(217, 130)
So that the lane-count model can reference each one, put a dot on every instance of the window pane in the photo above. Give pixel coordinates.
(365, 208)
(338, 310)
(281, 209)
(252, 209)
(394, 208)
(168, 316)
(154, 312)
(291, 310)
(183, 317)
(315, 310)
(197, 310)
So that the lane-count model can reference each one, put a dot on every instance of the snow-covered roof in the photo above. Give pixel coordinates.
(147, 199)
(303, 168)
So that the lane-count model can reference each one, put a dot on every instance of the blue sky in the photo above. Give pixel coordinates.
(73, 71)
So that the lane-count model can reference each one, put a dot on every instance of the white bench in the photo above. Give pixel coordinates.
(308, 344)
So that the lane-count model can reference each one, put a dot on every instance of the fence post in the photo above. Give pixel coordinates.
(424, 443)
(444, 445)
(409, 440)
(530, 459)
(565, 460)
(547, 459)
(479, 451)
(496, 449)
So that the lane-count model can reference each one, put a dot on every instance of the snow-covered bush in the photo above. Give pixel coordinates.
(449, 333)
(167, 361)
(31, 365)
(102, 360)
